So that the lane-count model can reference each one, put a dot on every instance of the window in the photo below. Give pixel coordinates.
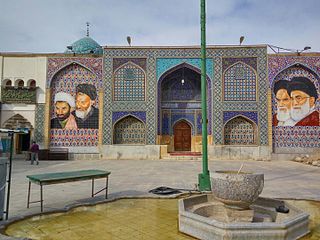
(129, 83)
(239, 83)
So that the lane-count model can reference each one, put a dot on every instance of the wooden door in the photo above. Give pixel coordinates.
(182, 136)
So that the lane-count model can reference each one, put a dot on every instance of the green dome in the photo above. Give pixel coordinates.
(85, 45)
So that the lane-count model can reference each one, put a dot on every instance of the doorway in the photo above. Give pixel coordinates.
(182, 136)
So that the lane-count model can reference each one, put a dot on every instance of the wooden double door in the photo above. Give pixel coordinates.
(182, 136)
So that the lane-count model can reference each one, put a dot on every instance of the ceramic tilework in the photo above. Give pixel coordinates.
(129, 83)
(260, 106)
(56, 64)
(176, 116)
(296, 71)
(250, 115)
(117, 115)
(239, 131)
(239, 83)
(296, 137)
(164, 65)
(154, 72)
(141, 62)
(129, 130)
(286, 67)
(250, 61)
(170, 117)
(73, 73)
(39, 123)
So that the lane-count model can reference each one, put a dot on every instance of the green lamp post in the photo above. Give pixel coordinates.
(204, 177)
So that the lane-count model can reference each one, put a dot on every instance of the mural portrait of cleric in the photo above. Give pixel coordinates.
(64, 104)
(283, 104)
(86, 114)
(303, 95)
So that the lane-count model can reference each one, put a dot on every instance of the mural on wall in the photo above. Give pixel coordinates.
(295, 103)
(295, 85)
(74, 101)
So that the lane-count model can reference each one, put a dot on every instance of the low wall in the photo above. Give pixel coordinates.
(239, 152)
(136, 152)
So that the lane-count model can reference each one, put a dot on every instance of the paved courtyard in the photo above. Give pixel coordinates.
(283, 179)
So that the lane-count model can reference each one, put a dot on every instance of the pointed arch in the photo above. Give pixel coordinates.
(129, 130)
(56, 72)
(233, 84)
(162, 80)
(296, 64)
(240, 130)
(129, 83)
(17, 121)
(183, 120)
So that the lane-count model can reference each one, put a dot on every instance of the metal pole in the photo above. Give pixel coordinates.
(11, 134)
(204, 177)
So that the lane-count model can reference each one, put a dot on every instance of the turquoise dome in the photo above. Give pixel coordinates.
(85, 45)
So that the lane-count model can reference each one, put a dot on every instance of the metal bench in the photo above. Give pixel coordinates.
(62, 177)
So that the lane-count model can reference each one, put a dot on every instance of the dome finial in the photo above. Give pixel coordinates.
(88, 24)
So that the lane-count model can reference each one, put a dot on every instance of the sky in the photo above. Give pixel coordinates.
(49, 26)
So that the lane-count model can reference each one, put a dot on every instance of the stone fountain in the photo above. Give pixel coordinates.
(235, 211)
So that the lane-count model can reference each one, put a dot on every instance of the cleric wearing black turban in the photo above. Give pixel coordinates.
(86, 114)
(304, 96)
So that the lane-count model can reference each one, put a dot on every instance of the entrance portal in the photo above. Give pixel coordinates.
(182, 136)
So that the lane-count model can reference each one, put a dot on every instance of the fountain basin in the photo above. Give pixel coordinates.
(206, 218)
(236, 190)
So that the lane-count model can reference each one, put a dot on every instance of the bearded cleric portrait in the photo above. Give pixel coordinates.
(303, 94)
(86, 114)
(283, 103)
(63, 106)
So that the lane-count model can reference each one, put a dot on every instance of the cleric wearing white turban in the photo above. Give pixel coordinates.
(64, 97)
(64, 104)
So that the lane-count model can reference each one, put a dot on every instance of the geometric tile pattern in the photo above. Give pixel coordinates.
(297, 71)
(296, 136)
(129, 83)
(129, 130)
(260, 105)
(239, 83)
(167, 65)
(285, 68)
(250, 61)
(66, 79)
(117, 115)
(253, 116)
(153, 73)
(141, 62)
(239, 131)
(164, 64)
(39, 123)
(54, 65)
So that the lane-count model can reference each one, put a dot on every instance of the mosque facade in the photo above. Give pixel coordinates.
(145, 102)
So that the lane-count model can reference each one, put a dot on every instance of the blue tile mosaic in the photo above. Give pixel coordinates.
(253, 116)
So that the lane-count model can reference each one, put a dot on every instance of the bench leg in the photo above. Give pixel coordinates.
(92, 190)
(28, 203)
(41, 197)
(107, 186)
